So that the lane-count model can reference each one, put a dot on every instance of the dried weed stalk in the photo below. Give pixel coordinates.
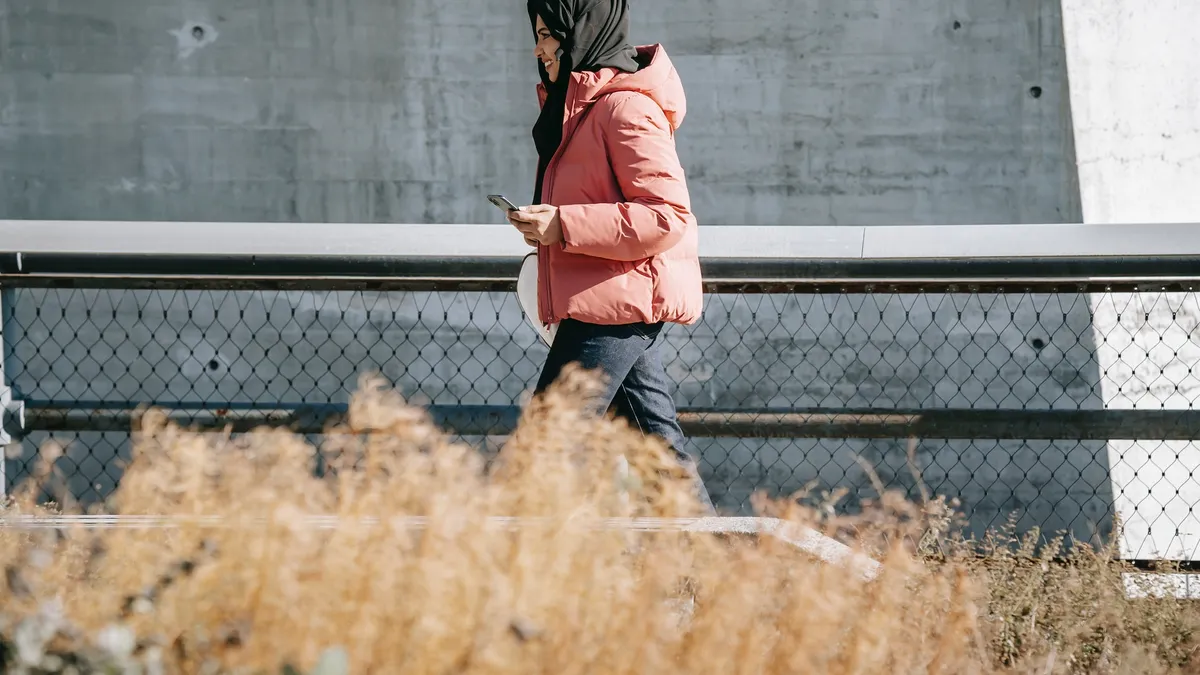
(390, 560)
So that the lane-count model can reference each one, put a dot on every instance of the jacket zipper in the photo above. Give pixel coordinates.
(548, 182)
(548, 191)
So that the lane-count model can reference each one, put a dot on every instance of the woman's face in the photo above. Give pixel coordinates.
(546, 50)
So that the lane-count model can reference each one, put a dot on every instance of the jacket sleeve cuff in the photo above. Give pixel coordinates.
(574, 229)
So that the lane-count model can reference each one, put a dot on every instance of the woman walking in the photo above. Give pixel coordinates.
(611, 216)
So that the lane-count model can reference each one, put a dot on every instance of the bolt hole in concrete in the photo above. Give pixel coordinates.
(1038, 344)
(1035, 92)
(957, 25)
(214, 365)
(193, 36)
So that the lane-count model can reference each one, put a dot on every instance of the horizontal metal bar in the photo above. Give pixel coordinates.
(1032, 240)
(487, 257)
(918, 242)
(869, 285)
(736, 525)
(508, 285)
(150, 238)
(263, 283)
(723, 525)
(951, 284)
(499, 275)
(216, 267)
(963, 270)
(240, 418)
(803, 538)
(500, 420)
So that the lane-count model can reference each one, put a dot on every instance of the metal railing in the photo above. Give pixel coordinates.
(1044, 372)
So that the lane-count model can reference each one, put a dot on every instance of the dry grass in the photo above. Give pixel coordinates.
(268, 593)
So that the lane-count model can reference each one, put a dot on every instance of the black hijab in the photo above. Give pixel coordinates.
(593, 34)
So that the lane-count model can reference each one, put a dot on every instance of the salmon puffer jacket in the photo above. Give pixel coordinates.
(629, 252)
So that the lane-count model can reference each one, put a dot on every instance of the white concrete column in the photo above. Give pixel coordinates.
(1134, 74)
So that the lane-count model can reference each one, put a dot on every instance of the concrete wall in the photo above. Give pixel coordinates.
(810, 112)
(1136, 99)
(851, 112)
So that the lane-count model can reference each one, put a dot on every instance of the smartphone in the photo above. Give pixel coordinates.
(502, 203)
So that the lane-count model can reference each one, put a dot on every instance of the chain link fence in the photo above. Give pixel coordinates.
(1022, 403)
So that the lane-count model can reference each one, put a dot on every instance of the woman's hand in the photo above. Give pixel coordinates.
(539, 223)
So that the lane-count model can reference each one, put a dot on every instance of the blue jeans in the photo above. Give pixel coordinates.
(637, 384)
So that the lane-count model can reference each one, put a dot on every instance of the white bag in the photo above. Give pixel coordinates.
(527, 286)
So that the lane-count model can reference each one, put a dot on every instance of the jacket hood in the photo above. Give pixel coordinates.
(657, 79)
